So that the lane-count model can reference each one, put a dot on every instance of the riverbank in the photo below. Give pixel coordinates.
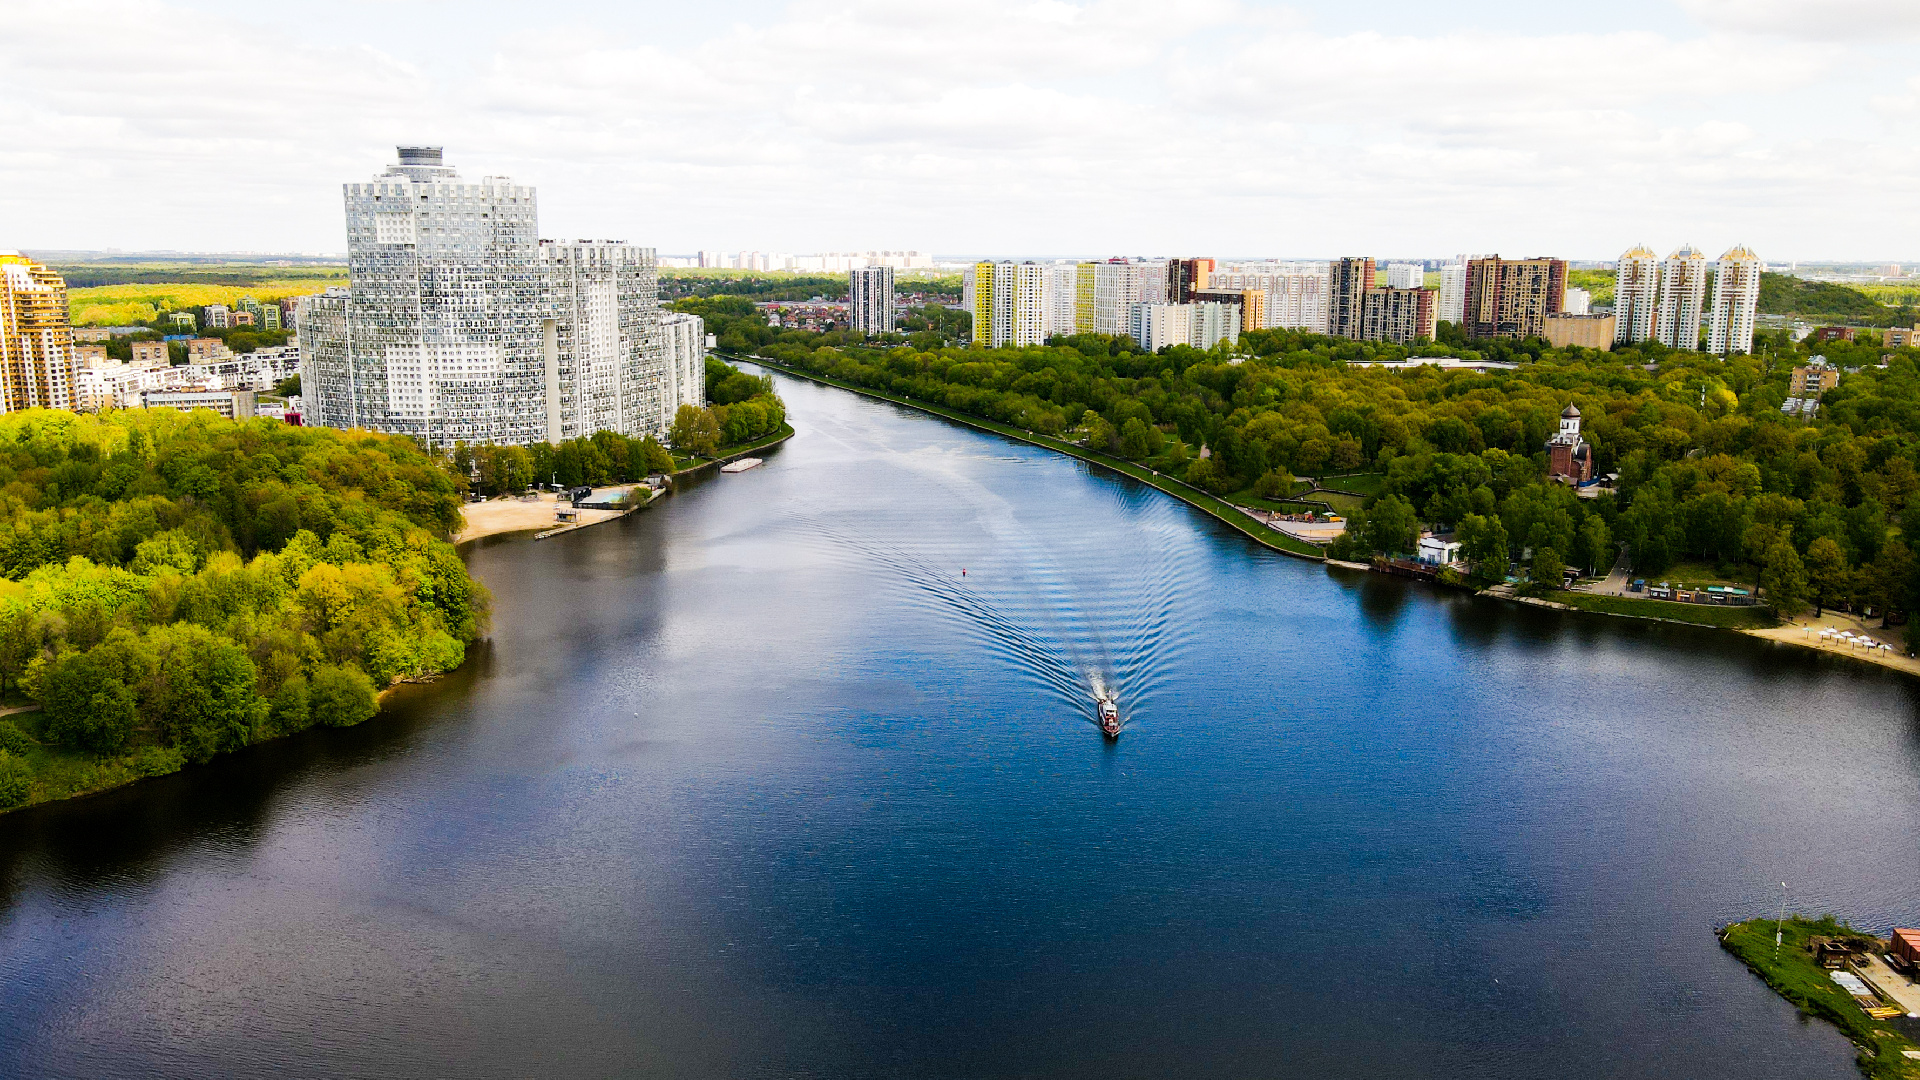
(1181, 490)
(1805, 633)
(512, 515)
(1793, 973)
(728, 454)
(1739, 620)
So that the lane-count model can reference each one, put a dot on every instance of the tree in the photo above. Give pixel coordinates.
(170, 549)
(655, 458)
(86, 705)
(1274, 484)
(1207, 475)
(22, 636)
(1828, 576)
(341, 696)
(199, 691)
(16, 779)
(1784, 579)
(1140, 440)
(1101, 435)
(1547, 570)
(1598, 543)
(694, 430)
(1391, 527)
(1483, 544)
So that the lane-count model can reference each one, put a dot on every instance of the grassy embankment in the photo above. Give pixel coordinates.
(1191, 495)
(687, 462)
(63, 772)
(1725, 618)
(1794, 975)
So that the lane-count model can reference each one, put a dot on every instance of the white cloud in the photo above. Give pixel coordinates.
(1010, 127)
(1827, 20)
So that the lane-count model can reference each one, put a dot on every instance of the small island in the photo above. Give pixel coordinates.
(1862, 984)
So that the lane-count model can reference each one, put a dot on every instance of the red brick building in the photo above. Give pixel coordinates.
(1511, 298)
(1569, 457)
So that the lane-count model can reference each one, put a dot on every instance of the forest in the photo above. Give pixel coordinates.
(1710, 473)
(179, 586)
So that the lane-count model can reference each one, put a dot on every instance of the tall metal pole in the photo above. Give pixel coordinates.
(1777, 922)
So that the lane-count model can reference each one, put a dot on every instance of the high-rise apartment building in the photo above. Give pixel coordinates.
(1736, 296)
(36, 338)
(1186, 277)
(1251, 302)
(683, 346)
(1156, 326)
(1008, 303)
(1451, 304)
(1401, 316)
(1511, 298)
(1406, 276)
(1062, 297)
(1295, 294)
(1636, 295)
(1105, 293)
(870, 300)
(1210, 322)
(1683, 298)
(1348, 282)
(460, 325)
(603, 368)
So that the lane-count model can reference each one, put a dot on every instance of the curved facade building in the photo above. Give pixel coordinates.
(460, 325)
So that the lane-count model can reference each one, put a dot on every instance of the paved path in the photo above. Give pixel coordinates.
(1616, 581)
(1902, 990)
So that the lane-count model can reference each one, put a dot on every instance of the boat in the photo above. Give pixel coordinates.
(1109, 718)
(742, 465)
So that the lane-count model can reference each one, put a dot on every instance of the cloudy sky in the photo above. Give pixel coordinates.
(1227, 127)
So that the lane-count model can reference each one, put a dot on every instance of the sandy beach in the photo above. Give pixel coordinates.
(509, 515)
(1805, 632)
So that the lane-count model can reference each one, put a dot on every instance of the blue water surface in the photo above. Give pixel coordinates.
(758, 783)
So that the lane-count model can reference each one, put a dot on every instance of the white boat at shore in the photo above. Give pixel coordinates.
(742, 465)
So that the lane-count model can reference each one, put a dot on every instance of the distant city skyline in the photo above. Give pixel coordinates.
(1315, 128)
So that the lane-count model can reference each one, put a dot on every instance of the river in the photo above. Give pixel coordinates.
(757, 783)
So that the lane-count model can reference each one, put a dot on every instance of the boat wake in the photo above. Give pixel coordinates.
(1086, 621)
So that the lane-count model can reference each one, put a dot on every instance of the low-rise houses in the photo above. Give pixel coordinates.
(129, 386)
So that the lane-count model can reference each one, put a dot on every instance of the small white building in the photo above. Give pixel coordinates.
(1438, 550)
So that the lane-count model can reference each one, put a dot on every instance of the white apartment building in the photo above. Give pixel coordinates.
(1576, 302)
(1636, 295)
(1683, 298)
(1406, 276)
(1296, 292)
(1008, 303)
(602, 366)
(459, 325)
(1451, 304)
(1156, 326)
(1105, 293)
(1210, 323)
(870, 300)
(1736, 296)
(683, 341)
(1062, 298)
